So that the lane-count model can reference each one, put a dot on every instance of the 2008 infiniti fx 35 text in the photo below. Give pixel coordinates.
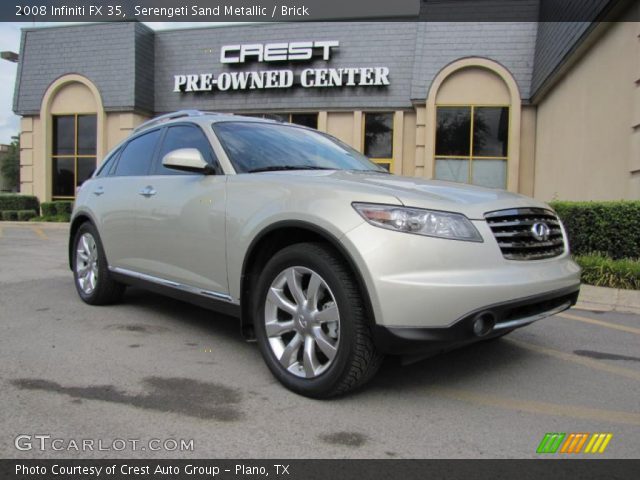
(329, 261)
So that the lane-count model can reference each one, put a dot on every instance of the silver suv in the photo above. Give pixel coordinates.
(328, 260)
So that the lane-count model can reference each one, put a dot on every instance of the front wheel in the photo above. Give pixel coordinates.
(310, 322)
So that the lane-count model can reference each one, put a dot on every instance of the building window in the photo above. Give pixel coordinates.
(305, 119)
(73, 153)
(378, 138)
(472, 145)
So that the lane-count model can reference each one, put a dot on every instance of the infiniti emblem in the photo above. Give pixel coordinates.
(540, 231)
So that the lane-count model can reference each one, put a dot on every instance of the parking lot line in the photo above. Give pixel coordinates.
(541, 408)
(40, 233)
(600, 323)
(570, 357)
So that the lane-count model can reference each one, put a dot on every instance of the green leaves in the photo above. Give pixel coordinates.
(602, 271)
(609, 228)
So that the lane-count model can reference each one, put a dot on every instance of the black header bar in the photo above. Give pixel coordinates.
(279, 469)
(309, 10)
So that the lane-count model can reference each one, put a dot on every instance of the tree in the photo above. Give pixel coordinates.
(10, 164)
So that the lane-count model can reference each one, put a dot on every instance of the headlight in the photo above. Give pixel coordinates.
(431, 223)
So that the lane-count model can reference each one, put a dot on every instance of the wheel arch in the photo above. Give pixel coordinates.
(275, 237)
(77, 221)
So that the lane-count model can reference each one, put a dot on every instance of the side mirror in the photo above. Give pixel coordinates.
(187, 160)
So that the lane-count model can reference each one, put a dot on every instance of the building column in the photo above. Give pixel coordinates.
(398, 144)
(423, 168)
(322, 121)
(26, 156)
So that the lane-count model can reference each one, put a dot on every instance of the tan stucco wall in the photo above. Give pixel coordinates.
(473, 85)
(73, 98)
(31, 164)
(340, 125)
(527, 151)
(408, 164)
(119, 126)
(588, 125)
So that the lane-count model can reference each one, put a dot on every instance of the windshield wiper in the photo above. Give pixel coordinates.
(275, 168)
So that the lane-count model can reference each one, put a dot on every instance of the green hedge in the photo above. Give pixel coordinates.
(17, 202)
(51, 218)
(63, 207)
(48, 209)
(605, 272)
(609, 228)
(9, 215)
(26, 215)
(60, 208)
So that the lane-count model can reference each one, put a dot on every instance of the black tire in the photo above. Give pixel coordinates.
(356, 360)
(107, 290)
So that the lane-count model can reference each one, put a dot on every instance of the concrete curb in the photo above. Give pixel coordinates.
(58, 225)
(609, 299)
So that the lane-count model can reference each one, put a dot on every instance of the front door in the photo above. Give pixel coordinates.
(181, 221)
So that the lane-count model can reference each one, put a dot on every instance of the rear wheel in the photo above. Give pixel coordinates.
(310, 322)
(90, 269)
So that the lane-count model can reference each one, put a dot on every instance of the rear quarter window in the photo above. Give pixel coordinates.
(137, 155)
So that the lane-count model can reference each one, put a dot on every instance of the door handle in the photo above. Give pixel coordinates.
(147, 191)
(98, 191)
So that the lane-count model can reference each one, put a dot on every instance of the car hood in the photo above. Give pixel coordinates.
(470, 200)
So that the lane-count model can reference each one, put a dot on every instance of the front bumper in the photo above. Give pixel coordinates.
(414, 281)
(501, 318)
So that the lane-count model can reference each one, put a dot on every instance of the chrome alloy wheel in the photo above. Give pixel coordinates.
(87, 263)
(302, 322)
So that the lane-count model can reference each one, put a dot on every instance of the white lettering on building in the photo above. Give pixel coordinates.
(284, 78)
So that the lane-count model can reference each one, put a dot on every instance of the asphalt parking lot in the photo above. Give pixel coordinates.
(156, 368)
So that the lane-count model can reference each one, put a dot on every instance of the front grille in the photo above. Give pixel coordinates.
(513, 230)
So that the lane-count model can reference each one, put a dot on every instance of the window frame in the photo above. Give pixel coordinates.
(105, 168)
(157, 161)
(75, 156)
(471, 157)
(123, 147)
(289, 115)
(380, 161)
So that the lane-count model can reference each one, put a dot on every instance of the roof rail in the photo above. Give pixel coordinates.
(169, 116)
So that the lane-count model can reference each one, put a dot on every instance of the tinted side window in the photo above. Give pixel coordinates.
(184, 136)
(137, 155)
(107, 165)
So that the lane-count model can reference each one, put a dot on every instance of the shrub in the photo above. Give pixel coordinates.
(9, 215)
(26, 215)
(48, 209)
(51, 218)
(63, 207)
(605, 272)
(13, 201)
(609, 228)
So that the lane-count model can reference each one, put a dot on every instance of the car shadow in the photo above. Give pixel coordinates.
(454, 368)
(498, 358)
(212, 323)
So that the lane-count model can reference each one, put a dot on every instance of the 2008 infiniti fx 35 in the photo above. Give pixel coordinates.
(329, 261)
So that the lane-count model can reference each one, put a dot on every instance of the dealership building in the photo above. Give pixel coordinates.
(550, 110)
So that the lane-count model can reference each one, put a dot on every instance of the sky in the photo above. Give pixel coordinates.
(10, 40)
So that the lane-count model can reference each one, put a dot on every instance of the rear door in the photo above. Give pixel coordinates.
(182, 225)
(117, 199)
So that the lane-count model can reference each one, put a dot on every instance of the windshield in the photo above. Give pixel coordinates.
(259, 147)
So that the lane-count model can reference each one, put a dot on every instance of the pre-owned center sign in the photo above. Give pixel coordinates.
(281, 78)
